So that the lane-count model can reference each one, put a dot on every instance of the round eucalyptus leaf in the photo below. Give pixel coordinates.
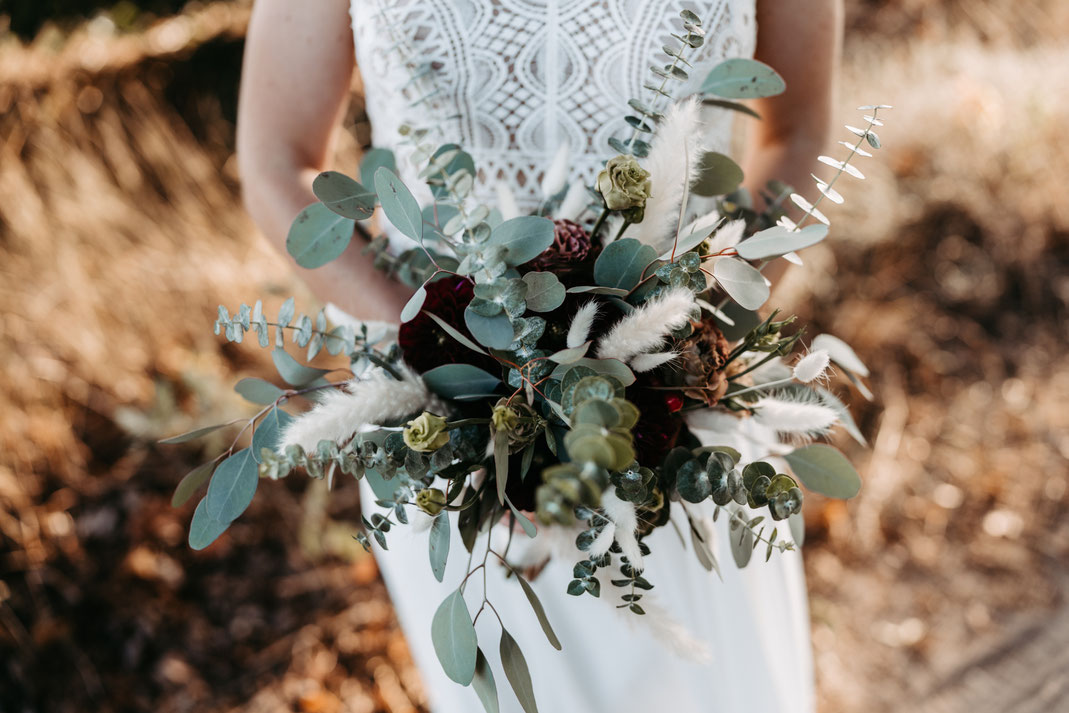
(693, 483)
(741, 78)
(343, 195)
(742, 282)
(622, 263)
(494, 332)
(545, 292)
(742, 541)
(453, 636)
(456, 161)
(318, 235)
(717, 175)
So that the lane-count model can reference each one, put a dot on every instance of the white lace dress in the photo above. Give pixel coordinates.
(521, 77)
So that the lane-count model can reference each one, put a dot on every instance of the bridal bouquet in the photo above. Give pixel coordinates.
(550, 367)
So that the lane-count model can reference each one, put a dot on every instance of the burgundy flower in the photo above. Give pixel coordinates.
(425, 345)
(658, 428)
(571, 248)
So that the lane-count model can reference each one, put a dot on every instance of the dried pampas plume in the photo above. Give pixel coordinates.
(557, 173)
(575, 202)
(378, 399)
(795, 414)
(646, 327)
(673, 164)
(579, 331)
(506, 201)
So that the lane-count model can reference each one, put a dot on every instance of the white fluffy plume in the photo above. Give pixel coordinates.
(506, 201)
(812, 366)
(645, 329)
(579, 331)
(557, 173)
(795, 415)
(622, 514)
(342, 412)
(649, 362)
(575, 201)
(672, 163)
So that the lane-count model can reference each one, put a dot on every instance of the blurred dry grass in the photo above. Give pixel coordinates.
(120, 230)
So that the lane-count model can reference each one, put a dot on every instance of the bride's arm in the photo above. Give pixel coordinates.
(800, 39)
(295, 84)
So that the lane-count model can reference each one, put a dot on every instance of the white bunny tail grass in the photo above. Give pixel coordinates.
(603, 541)
(506, 201)
(672, 633)
(557, 173)
(575, 202)
(672, 163)
(342, 412)
(623, 516)
(647, 326)
(649, 362)
(728, 236)
(812, 366)
(795, 414)
(579, 331)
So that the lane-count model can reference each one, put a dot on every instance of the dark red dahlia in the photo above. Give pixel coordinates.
(425, 345)
(571, 248)
(658, 428)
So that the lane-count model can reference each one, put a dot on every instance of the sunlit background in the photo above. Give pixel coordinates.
(940, 588)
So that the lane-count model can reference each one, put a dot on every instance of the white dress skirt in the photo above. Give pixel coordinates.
(521, 78)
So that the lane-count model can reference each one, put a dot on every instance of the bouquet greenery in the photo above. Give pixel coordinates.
(548, 369)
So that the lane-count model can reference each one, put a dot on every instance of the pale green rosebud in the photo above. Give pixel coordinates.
(431, 501)
(625, 186)
(426, 433)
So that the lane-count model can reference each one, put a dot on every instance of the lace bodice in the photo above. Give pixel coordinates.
(514, 79)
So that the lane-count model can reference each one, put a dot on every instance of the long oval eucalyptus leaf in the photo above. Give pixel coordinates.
(741, 78)
(460, 380)
(523, 238)
(456, 334)
(398, 203)
(778, 240)
(372, 160)
(414, 304)
(824, 470)
(439, 545)
(232, 487)
(540, 612)
(190, 482)
(268, 432)
(484, 685)
(318, 235)
(197, 433)
(742, 282)
(294, 372)
(258, 391)
(501, 464)
(528, 526)
(741, 543)
(453, 636)
(343, 195)
(717, 175)
(516, 672)
(204, 529)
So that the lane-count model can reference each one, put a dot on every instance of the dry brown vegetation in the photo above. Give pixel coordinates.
(120, 231)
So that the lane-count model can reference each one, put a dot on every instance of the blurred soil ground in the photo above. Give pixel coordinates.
(121, 230)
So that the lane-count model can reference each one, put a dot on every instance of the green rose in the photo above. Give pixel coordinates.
(624, 185)
(426, 433)
(430, 501)
(518, 421)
